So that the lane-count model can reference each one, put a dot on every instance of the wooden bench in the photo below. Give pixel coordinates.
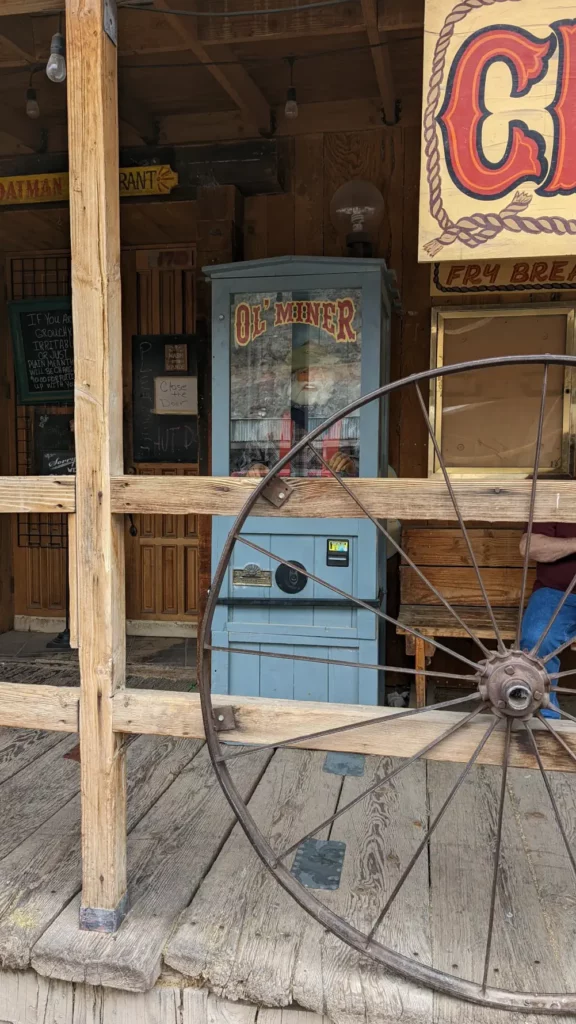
(443, 557)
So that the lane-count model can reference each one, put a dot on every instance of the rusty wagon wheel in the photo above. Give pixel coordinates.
(510, 688)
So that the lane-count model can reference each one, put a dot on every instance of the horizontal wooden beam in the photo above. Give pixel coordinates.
(53, 708)
(262, 720)
(495, 500)
(30, 6)
(37, 493)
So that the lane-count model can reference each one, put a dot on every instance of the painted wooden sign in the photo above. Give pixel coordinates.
(336, 318)
(497, 276)
(51, 188)
(499, 133)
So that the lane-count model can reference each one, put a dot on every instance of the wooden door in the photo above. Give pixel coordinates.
(39, 540)
(163, 558)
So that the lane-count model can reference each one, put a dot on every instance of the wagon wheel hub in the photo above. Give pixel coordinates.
(515, 683)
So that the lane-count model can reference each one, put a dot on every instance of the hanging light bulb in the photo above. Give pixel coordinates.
(32, 107)
(56, 66)
(356, 211)
(291, 105)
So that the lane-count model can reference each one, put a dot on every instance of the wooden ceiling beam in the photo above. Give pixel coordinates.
(28, 133)
(134, 114)
(17, 33)
(8, 7)
(381, 60)
(234, 79)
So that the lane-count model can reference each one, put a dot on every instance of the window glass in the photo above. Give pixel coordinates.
(294, 361)
(489, 418)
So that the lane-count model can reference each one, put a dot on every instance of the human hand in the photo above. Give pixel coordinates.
(257, 469)
(342, 463)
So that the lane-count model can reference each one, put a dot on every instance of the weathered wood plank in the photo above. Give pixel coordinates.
(96, 309)
(25, 805)
(96, 1005)
(381, 833)
(169, 852)
(447, 546)
(242, 932)
(28, 706)
(19, 747)
(202, 1007)
(266, 720)
(43, 873)
(495, 501)
(37, 494)
(526, 953)
(459, 585)
(437, 621)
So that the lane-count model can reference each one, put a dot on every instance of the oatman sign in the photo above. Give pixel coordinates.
(499, 130)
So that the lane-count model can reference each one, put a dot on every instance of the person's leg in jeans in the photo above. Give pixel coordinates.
(538, 612)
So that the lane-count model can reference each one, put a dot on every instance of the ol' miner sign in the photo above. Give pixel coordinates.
(499, 130)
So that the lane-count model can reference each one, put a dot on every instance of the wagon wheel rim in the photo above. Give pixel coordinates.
(498, 701)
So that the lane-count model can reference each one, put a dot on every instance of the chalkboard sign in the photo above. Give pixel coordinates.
(58, 464)
(53, 443)
(43, 350)
(158, 437)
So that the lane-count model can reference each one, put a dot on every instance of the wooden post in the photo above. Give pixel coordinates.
(95, 246)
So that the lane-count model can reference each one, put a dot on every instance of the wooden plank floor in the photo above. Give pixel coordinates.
(203, 906)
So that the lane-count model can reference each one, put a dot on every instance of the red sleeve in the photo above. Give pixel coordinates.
(547, 529)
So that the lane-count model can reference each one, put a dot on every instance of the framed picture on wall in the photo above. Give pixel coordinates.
(485, 421)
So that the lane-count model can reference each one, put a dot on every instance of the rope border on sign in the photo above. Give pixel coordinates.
(477, 228)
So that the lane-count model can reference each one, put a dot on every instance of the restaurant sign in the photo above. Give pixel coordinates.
(499, 132)
(478, 276)
(155, 180)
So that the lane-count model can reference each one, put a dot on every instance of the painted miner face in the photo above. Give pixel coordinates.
(312, 387)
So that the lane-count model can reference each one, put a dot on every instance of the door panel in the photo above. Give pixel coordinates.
(163, 558)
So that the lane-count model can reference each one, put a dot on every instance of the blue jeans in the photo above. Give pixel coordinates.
(538, 612)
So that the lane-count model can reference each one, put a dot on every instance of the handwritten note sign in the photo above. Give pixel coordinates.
(176, 396)
(43, 349)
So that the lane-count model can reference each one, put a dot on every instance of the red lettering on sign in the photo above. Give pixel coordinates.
(539, 271)
(258, 324)
(283, 313)
(345, 319)
(492, 272)
(454, 273)
(562, 178)
(464, 112)
(242, 323)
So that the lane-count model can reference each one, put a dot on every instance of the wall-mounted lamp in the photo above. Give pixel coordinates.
(356, 211)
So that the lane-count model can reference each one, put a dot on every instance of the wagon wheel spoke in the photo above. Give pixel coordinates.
(432, 828)
(382, 782)
(344, 664)
(557, 736)
(400, 550)
(380, 720)
(537, 454)
(550, 791)
(497, 850)
(460, 519)
(357, 601)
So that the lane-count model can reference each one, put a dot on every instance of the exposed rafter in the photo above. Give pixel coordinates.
(235, 80)
(18, 35)
(381, 60)
(136, 116)
(19, 127)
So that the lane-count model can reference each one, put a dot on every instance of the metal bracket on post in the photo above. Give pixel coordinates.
(111, 21)
(224, 720)
(277, 492)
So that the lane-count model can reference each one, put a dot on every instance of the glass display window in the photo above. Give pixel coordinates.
(295, 360)
(485, 421)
